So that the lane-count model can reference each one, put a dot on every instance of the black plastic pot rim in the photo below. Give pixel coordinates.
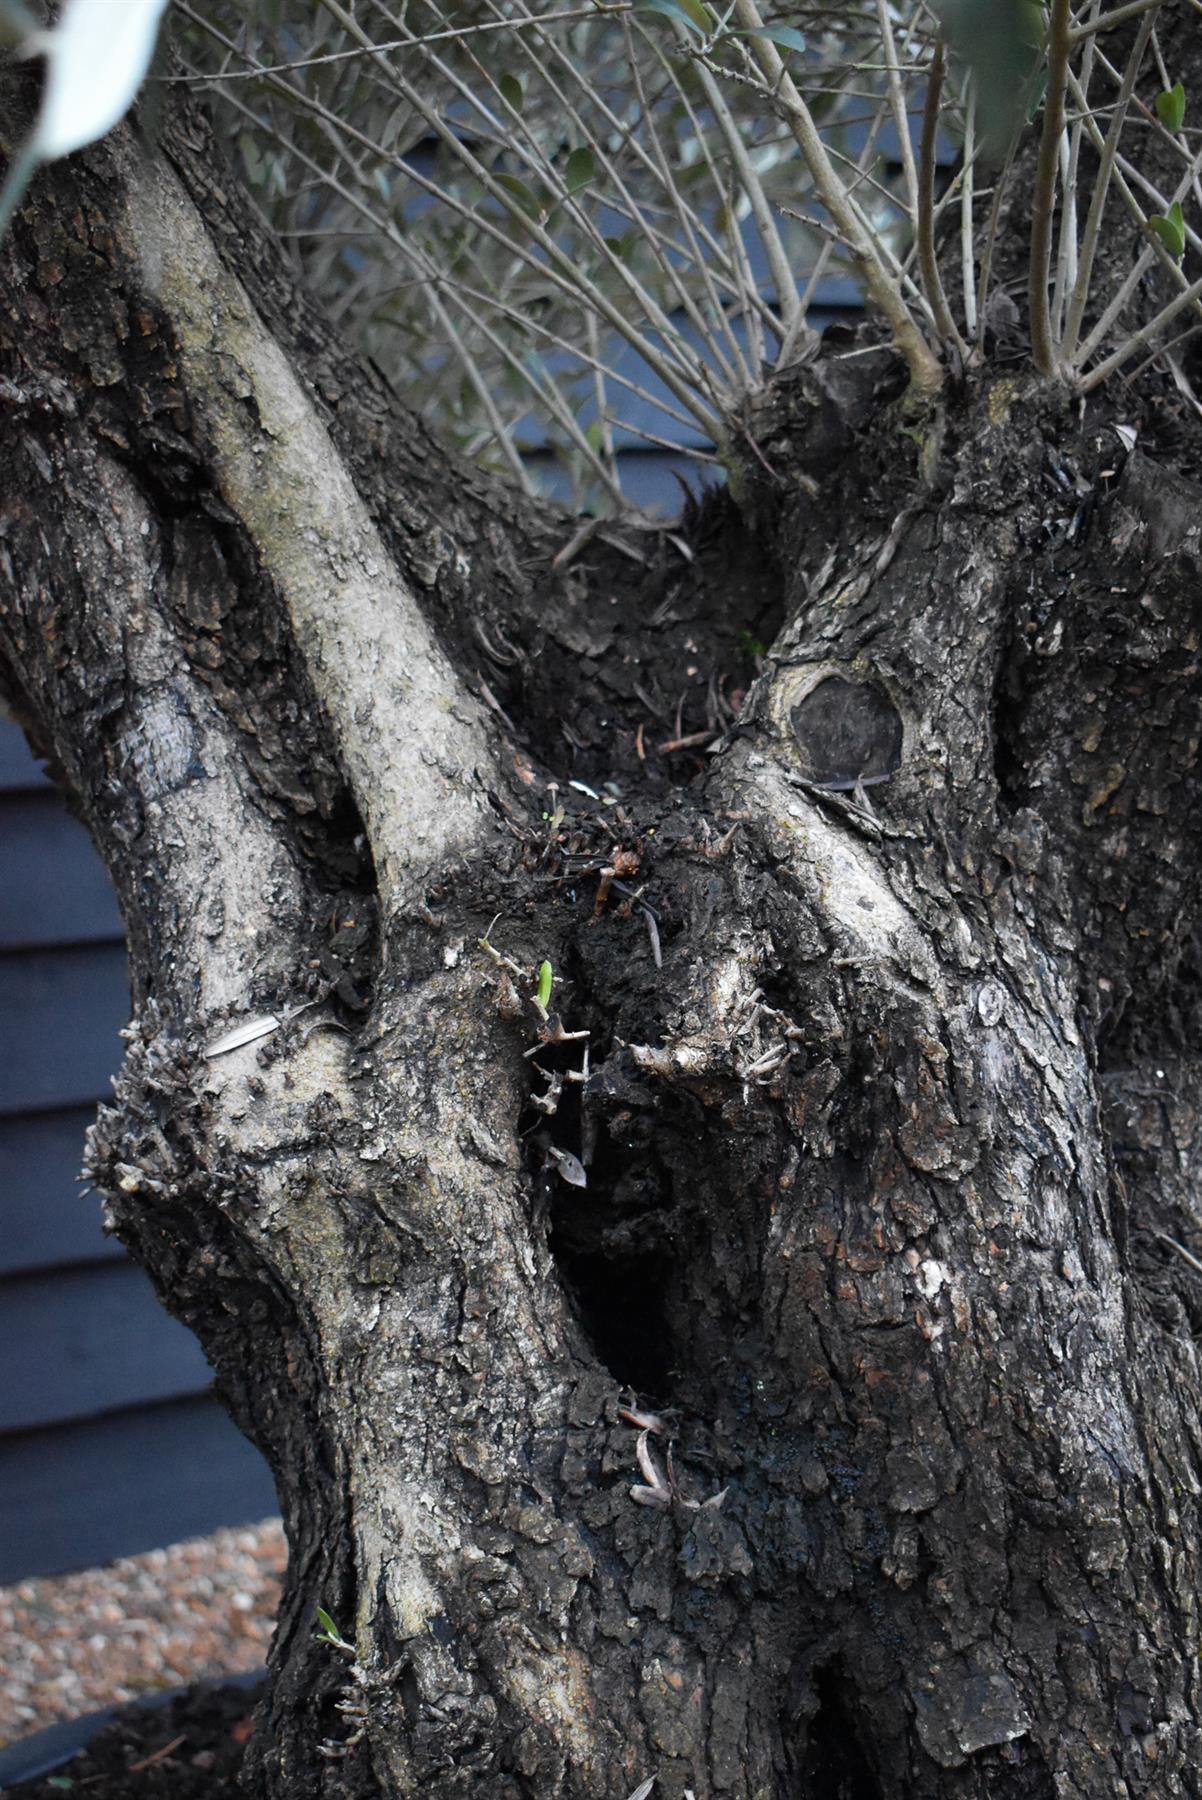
(44, 1751)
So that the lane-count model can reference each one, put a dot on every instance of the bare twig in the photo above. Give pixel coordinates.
(1091, 236)
(1043, 346)
(928, 261)
(883, 286)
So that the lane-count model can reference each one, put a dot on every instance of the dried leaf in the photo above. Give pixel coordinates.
(647, 1463)
(571, 1169)
(250, 1030)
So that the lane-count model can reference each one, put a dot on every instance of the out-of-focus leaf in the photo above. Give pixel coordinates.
(518, 191)
(682, 12)
(580, 169)
(1001, 43)
(1170, 229)
(511, 91)
(787, 36)
(1170, 107)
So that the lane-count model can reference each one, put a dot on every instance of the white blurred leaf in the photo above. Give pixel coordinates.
(96, 60)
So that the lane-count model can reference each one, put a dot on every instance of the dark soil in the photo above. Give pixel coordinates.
(188, 1749)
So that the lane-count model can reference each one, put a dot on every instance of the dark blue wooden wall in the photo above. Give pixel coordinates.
(110, 1441)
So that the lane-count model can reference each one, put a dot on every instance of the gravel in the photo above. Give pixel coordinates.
(72, 1644)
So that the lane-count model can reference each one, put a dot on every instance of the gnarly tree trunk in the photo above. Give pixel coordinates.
(841, 1436)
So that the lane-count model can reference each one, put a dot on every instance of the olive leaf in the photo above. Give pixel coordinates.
(1170, 107)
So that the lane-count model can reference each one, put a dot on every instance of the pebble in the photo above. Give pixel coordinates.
(76, 1643)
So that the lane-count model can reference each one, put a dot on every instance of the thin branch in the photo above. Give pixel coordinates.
(1091, 236)
(928, 261)
(1043, 346)
(897, 102)
(884, 288)
(693, 374)
(699, 261)
(1126, 350)
(406, 43)
(968, 265)
(1091, 27)
(778, 263)
(559, 270)
(1115, 307)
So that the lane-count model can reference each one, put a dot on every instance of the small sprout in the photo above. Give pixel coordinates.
(545, 978)
(329, 1633)
(1170, 107)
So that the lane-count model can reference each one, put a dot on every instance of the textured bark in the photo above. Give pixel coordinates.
(841, 1437)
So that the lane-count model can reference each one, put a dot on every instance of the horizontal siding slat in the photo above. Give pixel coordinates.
(46, 1218)
(60, 1012)
(53, 887)
(81, 1495)
(77, 1342)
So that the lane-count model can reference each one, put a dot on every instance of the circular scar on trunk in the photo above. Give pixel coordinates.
(849, 734)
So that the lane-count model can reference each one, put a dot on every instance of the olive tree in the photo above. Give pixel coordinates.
(664, 1058)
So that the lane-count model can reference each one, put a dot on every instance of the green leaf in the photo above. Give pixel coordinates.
(1170, 229)
(787, 36)
(1000, 42)
(518, 190)
(1170, 107)
(581, 168)
(511, 91)
(622, 246)
(327, 1624)
(682, 12)
(545, 978)
(752, 647)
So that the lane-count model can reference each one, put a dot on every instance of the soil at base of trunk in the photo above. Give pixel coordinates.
(189, 1749)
